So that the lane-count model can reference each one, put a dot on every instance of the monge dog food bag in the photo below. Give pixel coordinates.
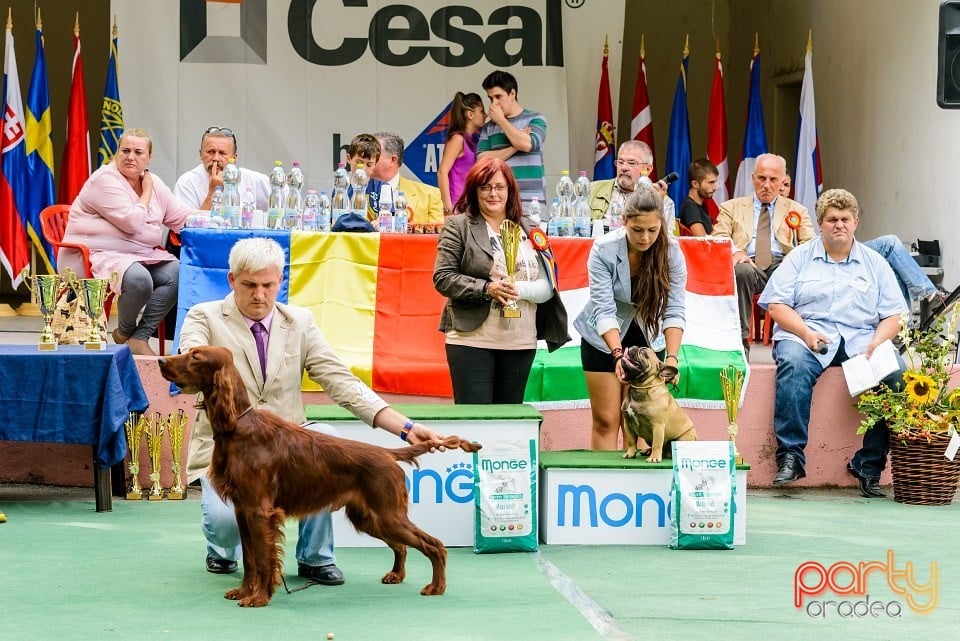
(704, 482)
(505, 496)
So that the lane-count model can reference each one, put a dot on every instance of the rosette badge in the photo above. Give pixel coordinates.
(793, 221)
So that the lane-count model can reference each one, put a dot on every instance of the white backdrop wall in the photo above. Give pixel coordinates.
(293, 109)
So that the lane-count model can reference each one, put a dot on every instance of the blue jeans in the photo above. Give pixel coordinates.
(219, 525)
(797, 372)
(910, 276)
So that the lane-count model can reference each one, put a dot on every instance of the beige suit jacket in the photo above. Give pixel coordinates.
(296, 346)
(735, 222)
(423, 200)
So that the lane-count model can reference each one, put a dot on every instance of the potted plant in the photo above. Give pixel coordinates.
(923, 416)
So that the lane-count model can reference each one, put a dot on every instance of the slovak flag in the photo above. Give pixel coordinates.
(755, 136)
(14, 247)
(717, 140)
(605, 149)
(808, 181)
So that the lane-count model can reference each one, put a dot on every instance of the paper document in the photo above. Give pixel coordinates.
(863, 373)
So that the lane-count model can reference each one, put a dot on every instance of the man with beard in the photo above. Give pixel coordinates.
(703, 176)
(634, 159)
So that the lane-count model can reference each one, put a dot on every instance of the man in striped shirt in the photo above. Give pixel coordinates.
(514, 134)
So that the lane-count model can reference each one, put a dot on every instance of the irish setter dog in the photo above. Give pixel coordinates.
(270, 468)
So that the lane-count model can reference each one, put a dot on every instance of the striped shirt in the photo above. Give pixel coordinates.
(527, 166)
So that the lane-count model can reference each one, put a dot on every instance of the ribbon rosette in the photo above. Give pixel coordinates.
(538, 239)
(793, 221)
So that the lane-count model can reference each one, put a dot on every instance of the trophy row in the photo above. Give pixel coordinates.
(48, 288)
(151, 428)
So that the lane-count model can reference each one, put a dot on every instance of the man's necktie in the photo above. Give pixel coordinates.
(763, 257)
(259, 335)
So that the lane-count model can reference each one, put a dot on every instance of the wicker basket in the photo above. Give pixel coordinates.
(922, 475)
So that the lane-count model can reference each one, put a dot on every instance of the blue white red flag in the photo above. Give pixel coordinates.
(14, 248)
(808, 179)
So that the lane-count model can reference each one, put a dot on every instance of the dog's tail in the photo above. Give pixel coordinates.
(410, 454)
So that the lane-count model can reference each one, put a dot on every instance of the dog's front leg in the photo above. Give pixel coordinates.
(246, 586)
(656, 447)
(259, 557)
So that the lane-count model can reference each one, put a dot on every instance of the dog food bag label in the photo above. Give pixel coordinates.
(704, 483)
(505, 497)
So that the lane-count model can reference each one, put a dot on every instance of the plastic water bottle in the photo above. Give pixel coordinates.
(216, 202)
(535, 212)
(308, 219)
(553, 222)
(582, 213)
(231, 194)
(278, 180)
(565, 195)
(385, 213)
(615, 213)
(340, 204)
(323, 212)
(358, 182)
(247, 206)
(291, 214)
(644, 179)
(401, 216)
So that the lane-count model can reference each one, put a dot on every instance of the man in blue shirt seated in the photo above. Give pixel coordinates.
(834, 293)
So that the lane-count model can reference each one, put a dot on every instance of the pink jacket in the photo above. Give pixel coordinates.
(107, 217)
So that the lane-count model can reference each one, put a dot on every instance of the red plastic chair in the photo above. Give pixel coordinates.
(761, 323)
(53, 224)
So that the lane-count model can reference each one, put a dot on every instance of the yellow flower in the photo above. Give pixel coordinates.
(921, 389)
(953, 400)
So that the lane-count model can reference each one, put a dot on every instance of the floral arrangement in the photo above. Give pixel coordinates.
(927, 404)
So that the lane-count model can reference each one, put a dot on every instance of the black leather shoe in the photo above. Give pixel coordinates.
(790, 470)
(220, 566)
(324, 574)
(869, 488)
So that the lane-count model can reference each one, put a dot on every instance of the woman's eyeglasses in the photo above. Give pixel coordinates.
(486, 189)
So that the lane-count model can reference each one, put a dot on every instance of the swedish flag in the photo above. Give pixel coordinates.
(111, 114)
(39, 153)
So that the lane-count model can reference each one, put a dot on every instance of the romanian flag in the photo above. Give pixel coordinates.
(755, 135)
(605, 146)
(39, 153)
(75, 167)
(678, 141)
(14, 248)
(111, 113)
(373, 297)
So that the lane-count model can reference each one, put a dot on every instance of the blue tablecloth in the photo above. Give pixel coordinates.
(70, 396)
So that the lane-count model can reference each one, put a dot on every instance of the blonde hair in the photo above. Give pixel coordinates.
(254, 254)
(840, 199)
(139, 133)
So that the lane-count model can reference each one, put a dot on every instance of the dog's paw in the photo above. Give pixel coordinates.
(236, 594)
(392, 578)
(646, 451)
(433, 589)
(254, 601)
(654, 458)
(630, 453)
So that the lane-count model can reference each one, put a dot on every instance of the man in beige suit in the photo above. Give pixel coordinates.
(273, 345)
(785, 223)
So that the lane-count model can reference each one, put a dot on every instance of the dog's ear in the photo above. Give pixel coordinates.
(221, 405)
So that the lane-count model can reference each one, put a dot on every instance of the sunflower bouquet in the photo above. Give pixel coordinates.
(926, 404)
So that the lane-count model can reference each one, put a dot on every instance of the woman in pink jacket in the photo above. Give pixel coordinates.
(120, 214)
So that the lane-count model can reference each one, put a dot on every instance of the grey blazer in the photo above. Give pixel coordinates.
(462, 269)
(610, 303)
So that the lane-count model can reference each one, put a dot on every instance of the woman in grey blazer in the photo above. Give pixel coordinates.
(490, 355)
(637, 281)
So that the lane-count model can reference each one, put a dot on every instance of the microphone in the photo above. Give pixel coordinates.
(671, 177)
(821, 347)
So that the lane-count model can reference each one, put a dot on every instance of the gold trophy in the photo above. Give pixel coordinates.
(731, 382)
(135, 426)
(176, 424)
(47, 289)
(154, 432)
(510, 239)
(93, 292)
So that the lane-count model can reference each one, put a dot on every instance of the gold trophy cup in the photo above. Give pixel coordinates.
(134, 427)
(154, 431)
(176, 424)
(731, 382)
(93, 293)
(47, 289)
(510, 238)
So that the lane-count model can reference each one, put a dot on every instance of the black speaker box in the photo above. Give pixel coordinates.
(948, 56)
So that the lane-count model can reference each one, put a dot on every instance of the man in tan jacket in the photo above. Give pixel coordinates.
(273, 345)
(785, 223)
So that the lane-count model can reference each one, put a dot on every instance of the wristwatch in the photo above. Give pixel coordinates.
(486, 293)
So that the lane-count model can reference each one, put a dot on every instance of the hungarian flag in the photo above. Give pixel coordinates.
(678, 142)
(641, 124)
(39, 153)
(717, 140)
(755, 136)
(372, 296)
(605, 149)
(75, 168)
(14, 248)
(111, 112)
(808, 177)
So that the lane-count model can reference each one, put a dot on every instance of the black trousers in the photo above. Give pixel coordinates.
(489, 376)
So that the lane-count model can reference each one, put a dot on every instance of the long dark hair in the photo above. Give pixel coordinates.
(653, 272)
(481, 174)
(462, 103)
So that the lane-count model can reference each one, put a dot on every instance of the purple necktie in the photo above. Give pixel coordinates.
(258, 335)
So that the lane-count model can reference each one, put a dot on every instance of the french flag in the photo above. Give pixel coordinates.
(808, 181)
(14, 248)
(755, 137)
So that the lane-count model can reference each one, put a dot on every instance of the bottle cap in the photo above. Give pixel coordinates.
(386, 193)
(565, 172)
(296, 163)
(278, 163)
(341, 165)
(311, 191)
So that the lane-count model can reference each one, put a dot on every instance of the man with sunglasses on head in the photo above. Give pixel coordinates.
(634, 159)
(217, 146)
